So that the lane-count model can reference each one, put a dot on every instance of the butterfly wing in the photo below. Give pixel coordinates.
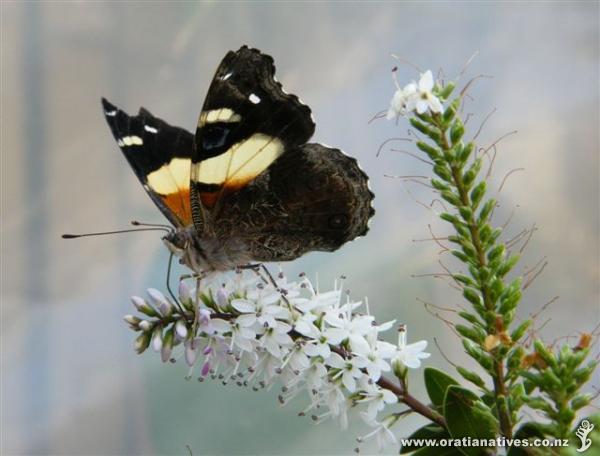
(247, 122)
(312, 198)
(160, 155)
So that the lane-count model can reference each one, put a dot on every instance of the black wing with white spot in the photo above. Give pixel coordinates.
(247, 122)
(160, 155)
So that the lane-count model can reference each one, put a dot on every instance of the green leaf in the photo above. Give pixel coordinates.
(467, 416)
(430, 431)
(437, 382)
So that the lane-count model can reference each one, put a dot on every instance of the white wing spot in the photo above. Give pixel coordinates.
(111, 113)
(218, 115)
(130, 141)
(150, 129)
(254, 98)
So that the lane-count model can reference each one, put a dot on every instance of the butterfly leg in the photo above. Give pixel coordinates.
(195, 275)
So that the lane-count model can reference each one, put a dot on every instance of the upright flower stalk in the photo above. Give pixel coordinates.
(488, 334)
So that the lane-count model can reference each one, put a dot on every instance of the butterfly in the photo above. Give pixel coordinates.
(247, 187)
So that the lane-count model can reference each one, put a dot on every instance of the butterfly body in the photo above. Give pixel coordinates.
(247, 187)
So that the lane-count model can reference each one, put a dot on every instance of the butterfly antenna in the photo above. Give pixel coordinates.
(102, 233)
(177, 303)
(138, 223)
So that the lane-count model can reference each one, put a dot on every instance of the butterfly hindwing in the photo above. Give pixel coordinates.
(246, 124)
(312, 198)
(160, 155)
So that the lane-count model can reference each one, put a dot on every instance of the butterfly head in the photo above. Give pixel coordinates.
(182, 243)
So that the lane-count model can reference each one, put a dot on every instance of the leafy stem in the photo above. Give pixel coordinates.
(495, 325)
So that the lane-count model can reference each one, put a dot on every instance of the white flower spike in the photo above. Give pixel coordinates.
(254, 332)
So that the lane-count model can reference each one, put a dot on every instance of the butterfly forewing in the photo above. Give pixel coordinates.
(247, 122)
(160, 155)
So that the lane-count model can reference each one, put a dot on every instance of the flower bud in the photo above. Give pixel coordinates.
(142, 306)
(160, 301)
(191, 352)
(132, 321)
(145, 325)
(181, 329)
(157, 339)
(184, 292)
(205, 369)
(222, 297)
(167, 345)
(142, 342)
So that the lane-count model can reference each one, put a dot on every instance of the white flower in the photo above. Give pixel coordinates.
(318, 343)
(261, 307)
(375, 397)
(416, 97)
(402, 101)
(276, 339)
(303, 323)
(410, 355)
(350, 369)
(297, 359)
(346, 326)
(241, 336)
(425, 99)
(315, 374)
(334, 398)
(375, 354)
(382, 433)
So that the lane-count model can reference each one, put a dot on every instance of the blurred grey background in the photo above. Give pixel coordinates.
(71, 382)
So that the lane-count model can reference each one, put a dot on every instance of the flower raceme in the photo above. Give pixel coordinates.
(255, 330)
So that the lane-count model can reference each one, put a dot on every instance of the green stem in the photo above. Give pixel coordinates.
(494, 327)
